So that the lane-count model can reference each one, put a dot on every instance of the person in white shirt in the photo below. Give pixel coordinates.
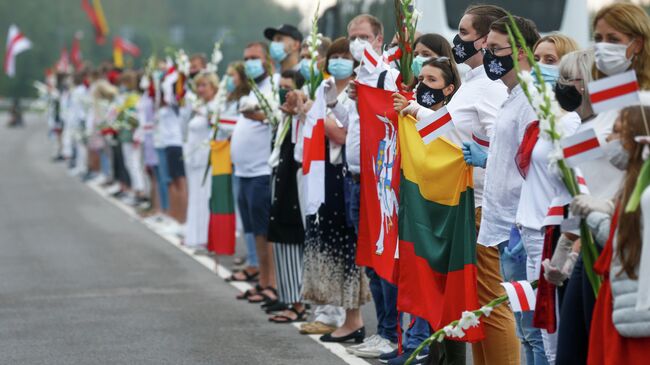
(251, 149)
(502, 179)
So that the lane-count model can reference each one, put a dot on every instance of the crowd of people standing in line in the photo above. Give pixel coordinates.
(149, 143)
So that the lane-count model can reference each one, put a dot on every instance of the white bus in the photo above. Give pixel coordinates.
(569, 17)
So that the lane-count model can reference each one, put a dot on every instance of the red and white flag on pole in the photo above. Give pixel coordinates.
(371, 60)
(521, 295)
(435, 125)
(391, 56)
(16, 43)
(555, 214)
(582, 183)
(63, 63)
(580, 147)
(313, 158)
(614, 92)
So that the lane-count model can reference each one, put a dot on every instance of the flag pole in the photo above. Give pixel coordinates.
(645, 120)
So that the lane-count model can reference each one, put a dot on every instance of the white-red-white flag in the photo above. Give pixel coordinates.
(435, 125)
(126, 46)
(555, 214)
(16, 44)
(580, 147)
(313, 154)
(582, 183)
(392, 56)
(614, 92)
(371, 60)
(63, 63)
(521, 295)
(75, 51)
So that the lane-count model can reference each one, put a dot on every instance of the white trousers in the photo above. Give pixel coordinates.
(133, 160)
(533, 241)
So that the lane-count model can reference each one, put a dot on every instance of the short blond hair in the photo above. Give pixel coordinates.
(210, 77)
(563, 44)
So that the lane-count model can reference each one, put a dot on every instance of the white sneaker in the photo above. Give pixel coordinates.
(366, 341)
(373, 350)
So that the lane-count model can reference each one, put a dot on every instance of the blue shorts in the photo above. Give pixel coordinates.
(254, 202)
(175, 163)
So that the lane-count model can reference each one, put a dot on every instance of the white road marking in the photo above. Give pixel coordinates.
(220, 270)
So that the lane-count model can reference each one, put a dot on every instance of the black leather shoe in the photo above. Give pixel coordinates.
(357, 336)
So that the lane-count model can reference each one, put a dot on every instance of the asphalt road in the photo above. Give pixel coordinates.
(82, 283)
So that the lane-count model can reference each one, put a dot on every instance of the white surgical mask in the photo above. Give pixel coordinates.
(357, 47)
(611, 58)
(618, 156)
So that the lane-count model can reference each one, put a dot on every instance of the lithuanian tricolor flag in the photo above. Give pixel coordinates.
(437, 234)
(221, 231)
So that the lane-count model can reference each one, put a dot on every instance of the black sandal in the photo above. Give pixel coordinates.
(247, 277)
(280, 318)
(265, 298)
(276, 306)
(249, 293)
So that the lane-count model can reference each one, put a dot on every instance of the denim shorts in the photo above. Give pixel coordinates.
(254, 202)
(175, 162)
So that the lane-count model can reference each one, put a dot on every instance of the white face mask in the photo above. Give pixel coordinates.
(357, 47)
(618, 156)
(611, 58)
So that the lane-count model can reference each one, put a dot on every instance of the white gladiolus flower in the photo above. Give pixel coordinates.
(468, 319)
(182, 62)
(453, 331)
(416, 15)
(544, 127)
(487, 310)
(526, 77)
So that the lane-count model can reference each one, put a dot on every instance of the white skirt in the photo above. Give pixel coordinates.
(198, 206)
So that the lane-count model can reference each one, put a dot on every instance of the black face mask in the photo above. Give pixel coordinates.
(568, 96)
(463, 50)
(497, 66)
(427, 96)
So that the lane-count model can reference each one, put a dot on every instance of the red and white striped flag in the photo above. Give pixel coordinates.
(435, 125)
(580, 147)
(16, 43)
(313, 158)
(614, 92)
(521, 295)
(371, 60)
(582, 183)
(391, 56)
(63, 63)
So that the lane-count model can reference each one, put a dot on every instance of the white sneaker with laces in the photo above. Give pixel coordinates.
(366, 341)
(372, 351)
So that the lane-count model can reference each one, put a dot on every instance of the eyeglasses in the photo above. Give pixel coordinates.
(494, 50)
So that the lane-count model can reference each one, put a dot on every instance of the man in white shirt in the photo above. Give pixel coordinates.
(502, 184)
(251, 148)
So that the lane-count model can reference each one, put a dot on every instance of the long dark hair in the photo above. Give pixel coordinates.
(449, 73)
(628, 247)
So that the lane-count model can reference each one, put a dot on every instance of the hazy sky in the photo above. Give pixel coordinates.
(308, 6)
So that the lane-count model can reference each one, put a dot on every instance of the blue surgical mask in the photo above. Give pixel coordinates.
(254, 68)
(416, 65)
(340, 68)
(230, 84)
(550, 73)
(278, 54)
(304, 68)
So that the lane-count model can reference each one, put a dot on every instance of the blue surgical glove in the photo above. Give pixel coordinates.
(515, 248)
(474, 154)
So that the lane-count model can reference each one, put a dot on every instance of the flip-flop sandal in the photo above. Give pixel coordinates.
(264, 297)
(280, 318)
(247, 276)
(249, 293)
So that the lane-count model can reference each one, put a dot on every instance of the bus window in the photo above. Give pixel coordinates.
(546, 14)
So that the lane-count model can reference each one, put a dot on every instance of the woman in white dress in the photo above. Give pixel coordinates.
(196, 152)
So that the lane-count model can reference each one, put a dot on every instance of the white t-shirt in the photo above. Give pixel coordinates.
(170, 126)
(250, 145)
(603, 179)
(473, 109)
(502, 178)
(541, 185)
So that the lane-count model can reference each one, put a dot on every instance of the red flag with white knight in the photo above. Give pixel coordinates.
(16, 44)
(380, 176)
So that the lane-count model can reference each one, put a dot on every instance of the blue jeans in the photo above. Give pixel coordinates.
(384, 295)
(162, 177)
(105, 163)
(352, 191)
(249, 238)
(416, 334)
(513, 268)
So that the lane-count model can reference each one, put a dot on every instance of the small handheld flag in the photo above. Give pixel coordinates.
(16, 43)
(580, 147)
(521, 296)
(435, 125)
(614, 92)
(371, 60)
